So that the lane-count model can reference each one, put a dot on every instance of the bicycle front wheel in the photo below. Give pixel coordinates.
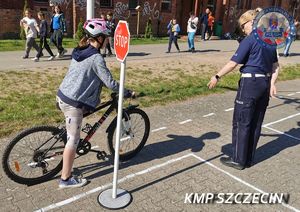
(135, 127)
(35, 155)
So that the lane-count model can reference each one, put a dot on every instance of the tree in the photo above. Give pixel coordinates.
(80, 31)
(148, 29)
(22, 31)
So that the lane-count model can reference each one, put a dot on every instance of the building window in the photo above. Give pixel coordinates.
(248, 4)
(133, 4)
(105, 3)
(166, 5)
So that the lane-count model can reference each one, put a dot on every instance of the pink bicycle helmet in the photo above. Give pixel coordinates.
(96, 27)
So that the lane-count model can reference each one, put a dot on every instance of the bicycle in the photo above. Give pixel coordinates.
(35, 155)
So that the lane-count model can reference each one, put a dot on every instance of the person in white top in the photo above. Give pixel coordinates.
(31, 28)
(191, 29)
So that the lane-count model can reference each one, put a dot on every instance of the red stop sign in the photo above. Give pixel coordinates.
(121, 40)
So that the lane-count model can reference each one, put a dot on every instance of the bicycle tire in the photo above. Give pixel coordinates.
(111, 132)
(21, 137)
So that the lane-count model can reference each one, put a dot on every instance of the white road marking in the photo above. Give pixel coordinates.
(158, 129)
(282, 133)
(242, 181)
(291, 94)
(280, 120)
(229, 109)
(186, 121)
(207, 115)
(106, 186)
(298, 92)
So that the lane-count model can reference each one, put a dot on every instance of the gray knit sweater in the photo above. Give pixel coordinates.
(83, 83)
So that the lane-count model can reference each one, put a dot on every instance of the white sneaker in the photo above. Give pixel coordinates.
(57, 55)
(36, 59)
(51, 58)
(72, 182)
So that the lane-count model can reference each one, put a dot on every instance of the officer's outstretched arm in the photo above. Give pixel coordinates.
(275, 72)
(226, 69)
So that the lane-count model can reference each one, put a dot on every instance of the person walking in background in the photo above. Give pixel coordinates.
(111, 25)
(43, 29)
(58, 28)
(211, 21)
(102, 16)
(204, 21)
(31, 28)
(192, 29)
(292, 37)
(173, 31)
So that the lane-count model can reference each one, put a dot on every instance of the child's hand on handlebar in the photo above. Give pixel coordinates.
(130, 94)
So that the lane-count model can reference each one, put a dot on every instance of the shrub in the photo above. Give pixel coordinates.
(148, 30)
(80, 32)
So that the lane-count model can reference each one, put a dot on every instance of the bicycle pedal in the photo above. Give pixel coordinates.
(102, 156)
(86, 128)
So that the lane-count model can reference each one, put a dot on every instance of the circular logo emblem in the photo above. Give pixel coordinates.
(273, 26)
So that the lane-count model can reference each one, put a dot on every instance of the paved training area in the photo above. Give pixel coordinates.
(181, 157)
(205, 51)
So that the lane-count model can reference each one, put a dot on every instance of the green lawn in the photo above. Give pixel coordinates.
(28, 98)
(17, 45)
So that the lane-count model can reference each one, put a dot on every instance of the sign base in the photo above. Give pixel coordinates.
(122, 200)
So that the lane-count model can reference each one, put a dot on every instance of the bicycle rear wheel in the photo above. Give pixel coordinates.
(35, 155)
(135, 127)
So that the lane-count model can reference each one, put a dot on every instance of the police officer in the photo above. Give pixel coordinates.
(259, 72)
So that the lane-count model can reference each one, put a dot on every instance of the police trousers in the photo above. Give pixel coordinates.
(249, 110)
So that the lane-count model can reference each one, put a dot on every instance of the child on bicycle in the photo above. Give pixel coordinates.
(80, 91)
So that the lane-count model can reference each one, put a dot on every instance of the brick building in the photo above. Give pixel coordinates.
(159, 11)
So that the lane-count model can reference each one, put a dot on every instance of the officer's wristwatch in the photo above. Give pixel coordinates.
(217, 77)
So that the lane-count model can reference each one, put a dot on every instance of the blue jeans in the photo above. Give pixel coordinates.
(191, 38)
(288, 44)
(173, 38)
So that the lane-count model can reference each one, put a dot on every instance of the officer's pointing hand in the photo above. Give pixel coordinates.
(213, 82)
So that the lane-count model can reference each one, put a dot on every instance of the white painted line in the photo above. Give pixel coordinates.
(94, 147)
(298, 92)
(280, 120)
(242, 181)
(158, 129)
(207, 115)
(186, 121)
(229, 109)
(97, 189)
(288, 135)
(291, 94)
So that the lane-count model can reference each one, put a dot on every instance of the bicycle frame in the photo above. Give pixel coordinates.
(113, 105)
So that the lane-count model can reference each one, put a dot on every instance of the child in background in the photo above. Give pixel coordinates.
(110, 21)
(211, 21)
(43, 38)
(31, 29)
(173, 30)
(58, 28)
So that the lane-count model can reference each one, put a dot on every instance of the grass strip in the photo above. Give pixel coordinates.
(27, 98)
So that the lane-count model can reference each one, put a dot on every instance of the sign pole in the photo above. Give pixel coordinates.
(118, 132)
(115, 198)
